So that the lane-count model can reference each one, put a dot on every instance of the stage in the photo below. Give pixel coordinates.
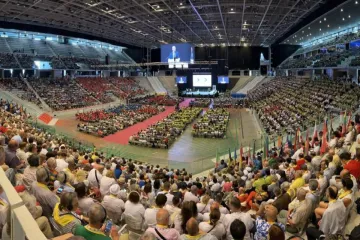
(199, 93)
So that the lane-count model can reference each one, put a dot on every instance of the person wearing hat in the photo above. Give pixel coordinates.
(174, 191)
(113, 204)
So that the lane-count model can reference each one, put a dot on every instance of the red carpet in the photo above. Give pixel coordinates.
(122, 137)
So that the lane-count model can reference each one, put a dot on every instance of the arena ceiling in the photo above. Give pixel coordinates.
(152, 22)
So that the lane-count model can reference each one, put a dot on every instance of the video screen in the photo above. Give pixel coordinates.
(223, 79)
(202, 81)
(42, 65)
(177, 52)
(181, 79)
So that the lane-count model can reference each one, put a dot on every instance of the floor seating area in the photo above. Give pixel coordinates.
(164, 133)
(102, 123)
(213, 124)
(163, 100)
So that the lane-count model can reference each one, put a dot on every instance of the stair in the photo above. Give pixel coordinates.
(45, 106)
(251, 85)
(156, 84)
(17, 60)
(46, 118)
(144, 83)
(241, 83)
(169, 84)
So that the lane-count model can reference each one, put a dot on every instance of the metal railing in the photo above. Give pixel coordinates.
(23, 225)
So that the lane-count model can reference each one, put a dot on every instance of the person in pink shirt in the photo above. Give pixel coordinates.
(162, 230)
(227, 187)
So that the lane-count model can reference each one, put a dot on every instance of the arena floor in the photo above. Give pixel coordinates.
(187, 152)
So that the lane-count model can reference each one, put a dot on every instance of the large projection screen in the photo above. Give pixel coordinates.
(202, 80)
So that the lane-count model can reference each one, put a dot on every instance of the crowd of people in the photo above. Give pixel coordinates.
(106, 122)
(163, 100)
(61, 94)
(20, 89)
(213, 124)
(288, 103)
(289, 191)
(163, 133)
(200, 102)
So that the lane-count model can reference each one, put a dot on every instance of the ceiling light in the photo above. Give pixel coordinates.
(343, 19)
(320, 21)
(308, 27)
(324, 19)
(342, 10)
(180, 4)
(320, 29)
(328, 25)
(356, 2)
(349, 16)
(232, 9)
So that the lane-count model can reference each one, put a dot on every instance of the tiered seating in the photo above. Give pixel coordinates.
(3, 46)
(213, 124)
(25, 61)
(290, 103)
(19, 45)
(164, 133)
(105, 122)
(62, 94)
(163, 100)
(19, 88)
(7, 60)
(126, 87)
(97, 87)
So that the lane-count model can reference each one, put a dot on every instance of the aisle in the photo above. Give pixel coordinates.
(122, 137)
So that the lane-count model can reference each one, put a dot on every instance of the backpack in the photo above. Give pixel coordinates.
(355, 233)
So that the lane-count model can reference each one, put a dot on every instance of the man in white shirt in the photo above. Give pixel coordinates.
(193, 233)
(161, 228)
(192, 195)
(150, 213)
(235, 209)
(113, 205)
(174, 206)
(215, 188)
(167, 193)
(94, 177)
(61, 164)
(297, 153)
(3, 210)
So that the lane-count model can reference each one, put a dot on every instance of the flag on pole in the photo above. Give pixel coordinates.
(349, 121)
(315, 135)
(217, 159)
(241, 152)
(254, 151)
(324, 143)
(279, 141)
(249, 161)
(296, 142)
(235, 156)
(266, 147)
(307, 143)
(343, 130)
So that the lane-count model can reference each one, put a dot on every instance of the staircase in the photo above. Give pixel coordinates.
(157, 86)
(251, 84)
(241, 83)
(144, 83)
(169, 83)
(43, 103)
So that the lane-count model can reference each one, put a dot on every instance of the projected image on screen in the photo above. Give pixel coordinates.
(201, 80)
(42, 65)
(181, 79)
(177, 52)
(223, 79)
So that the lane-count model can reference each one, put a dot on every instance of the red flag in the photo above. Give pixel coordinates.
(324, 144)
(315, 135)
(307, 143)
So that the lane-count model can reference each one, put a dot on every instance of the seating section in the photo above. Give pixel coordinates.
(20, 89)
(102, 123)
(126, 87)
(286, 104)
(62, 94)
(213, 124)
(163, 100)
(7, 60)
(164, 133)
(157, 86)
(200, 102)
(96, 87)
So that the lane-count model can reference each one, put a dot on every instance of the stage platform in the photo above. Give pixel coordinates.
(200, 93)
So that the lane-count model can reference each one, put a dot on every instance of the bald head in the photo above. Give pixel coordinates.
(192, 227)
(96, 215)
(215, 205)
(194, 189)
(345, 174)
(162, 217)
(13, 145)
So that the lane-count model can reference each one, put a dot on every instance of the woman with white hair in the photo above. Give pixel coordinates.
(113, 204)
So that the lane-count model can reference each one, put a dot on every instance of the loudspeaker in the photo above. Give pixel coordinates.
(107, 59)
